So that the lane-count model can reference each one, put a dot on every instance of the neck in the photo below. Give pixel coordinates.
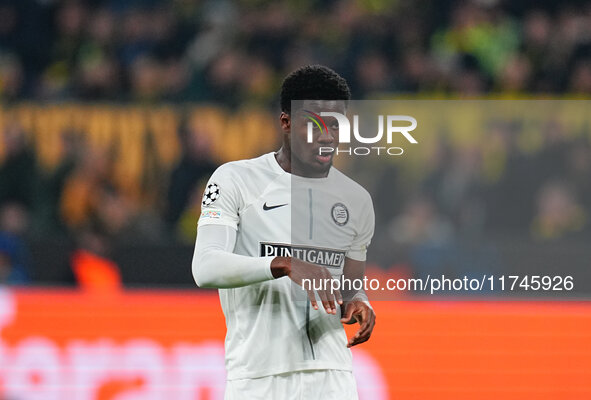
(284, 159)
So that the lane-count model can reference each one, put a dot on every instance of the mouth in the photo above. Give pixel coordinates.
(324, 159)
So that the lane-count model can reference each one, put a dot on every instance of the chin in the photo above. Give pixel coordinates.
(321, 167)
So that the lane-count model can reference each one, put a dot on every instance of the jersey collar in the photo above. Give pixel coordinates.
(277, 168)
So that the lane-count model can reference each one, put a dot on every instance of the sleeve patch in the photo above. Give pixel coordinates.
(214, 214)
(211, 194)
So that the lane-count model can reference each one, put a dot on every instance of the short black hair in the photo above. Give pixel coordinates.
(313, 82)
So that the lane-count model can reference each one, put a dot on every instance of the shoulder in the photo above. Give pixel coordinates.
(246, 177)
(232, 181)
(242, 166)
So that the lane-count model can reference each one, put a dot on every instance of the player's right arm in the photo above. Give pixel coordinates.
(215, 266)
(214, 263)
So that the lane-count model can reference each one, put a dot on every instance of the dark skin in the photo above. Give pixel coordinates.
(300, 158)
(357, 310)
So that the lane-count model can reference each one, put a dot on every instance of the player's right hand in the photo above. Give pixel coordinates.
(309, 276)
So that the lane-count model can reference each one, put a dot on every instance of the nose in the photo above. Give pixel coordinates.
(327, 137)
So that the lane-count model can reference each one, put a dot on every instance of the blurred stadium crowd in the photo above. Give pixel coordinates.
(236, 51)
(232, 53)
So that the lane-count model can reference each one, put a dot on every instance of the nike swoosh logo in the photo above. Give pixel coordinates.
(267, 208)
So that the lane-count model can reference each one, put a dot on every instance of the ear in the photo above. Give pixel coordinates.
(285, 121)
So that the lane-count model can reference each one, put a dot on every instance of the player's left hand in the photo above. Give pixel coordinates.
(366, 318)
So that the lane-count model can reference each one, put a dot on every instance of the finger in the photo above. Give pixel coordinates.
(362, 316)
(330, 296)
(335, 292)
(368, 324)
(367, 330)
(331, 302)
(338, 296)
(366, 317)
(369, 318)
(324, 298)
(357, 340)
(312, 298)
(348, 313)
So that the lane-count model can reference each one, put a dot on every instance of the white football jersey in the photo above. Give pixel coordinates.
(270, 330)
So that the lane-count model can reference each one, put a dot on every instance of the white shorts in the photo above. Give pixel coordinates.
(327, 384)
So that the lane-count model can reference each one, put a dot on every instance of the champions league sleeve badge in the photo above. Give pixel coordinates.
(211, 194)
(340, 214)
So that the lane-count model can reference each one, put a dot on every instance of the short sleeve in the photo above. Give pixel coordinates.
(365, 230)
(221, 199)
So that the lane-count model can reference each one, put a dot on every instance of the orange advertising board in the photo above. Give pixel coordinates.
(57, 344)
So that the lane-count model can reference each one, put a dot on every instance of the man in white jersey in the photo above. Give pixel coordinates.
(267, 225)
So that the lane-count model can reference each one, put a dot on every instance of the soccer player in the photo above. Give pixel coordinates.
(267, 225)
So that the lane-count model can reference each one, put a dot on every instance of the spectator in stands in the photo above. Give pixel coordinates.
(195, 165)
(558, 213)
(18, 171)
(511, 182)
(52, 182)
(579, 170)
(11, 77)
(91, 263)
(580, 81)
(82, 188)
(14, 255)
(419, 223)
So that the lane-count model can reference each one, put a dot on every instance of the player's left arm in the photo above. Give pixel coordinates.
(356, 307)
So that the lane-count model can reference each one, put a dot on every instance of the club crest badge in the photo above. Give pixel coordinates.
(340, 214)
